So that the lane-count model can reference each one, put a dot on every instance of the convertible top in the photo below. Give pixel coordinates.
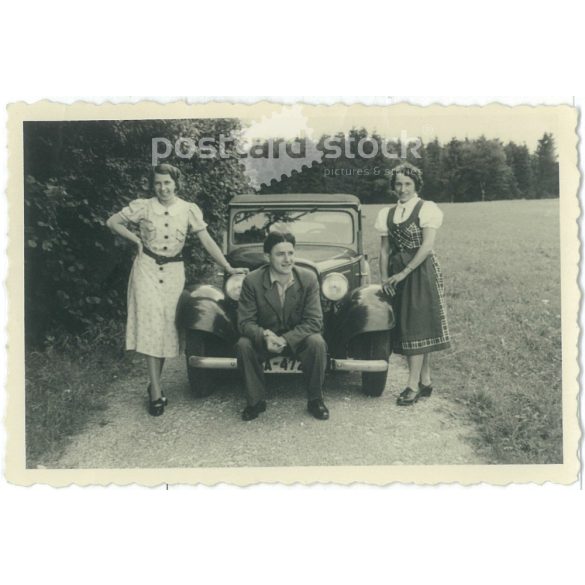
(297, 198)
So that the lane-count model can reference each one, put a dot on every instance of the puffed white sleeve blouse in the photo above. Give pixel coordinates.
(430, 216)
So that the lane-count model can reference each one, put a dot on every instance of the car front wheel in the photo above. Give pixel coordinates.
(373, 346)
(201, 380)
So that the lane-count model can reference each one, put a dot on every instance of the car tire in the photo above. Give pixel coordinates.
(202, 382)
(373, 346)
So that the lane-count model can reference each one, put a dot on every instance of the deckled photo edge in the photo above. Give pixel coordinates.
(16, 471)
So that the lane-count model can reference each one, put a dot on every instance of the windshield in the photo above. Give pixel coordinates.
(309, 226)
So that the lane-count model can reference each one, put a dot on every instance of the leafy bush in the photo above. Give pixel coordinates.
(77, 174)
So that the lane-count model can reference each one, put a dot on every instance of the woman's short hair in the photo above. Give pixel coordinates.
(166, 169)
(277, 237)
(409, 171)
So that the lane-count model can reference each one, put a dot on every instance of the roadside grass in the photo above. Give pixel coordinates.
(67, 382)
(501, 263)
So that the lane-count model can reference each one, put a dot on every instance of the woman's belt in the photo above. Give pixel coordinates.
(162, 259)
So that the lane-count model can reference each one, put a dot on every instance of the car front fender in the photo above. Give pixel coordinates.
(206, 308)
(366, 310)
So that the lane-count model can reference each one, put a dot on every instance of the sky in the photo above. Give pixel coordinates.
(524, 124)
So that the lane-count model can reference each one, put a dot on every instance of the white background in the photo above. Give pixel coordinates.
(273, 534)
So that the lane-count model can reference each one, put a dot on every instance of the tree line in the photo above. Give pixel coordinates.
(466, 170)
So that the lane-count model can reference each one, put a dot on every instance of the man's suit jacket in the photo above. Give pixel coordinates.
(259, 307)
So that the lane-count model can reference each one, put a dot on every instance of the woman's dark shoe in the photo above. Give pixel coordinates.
(163, 397)
(424, 391)
(156, 407)
(252, 412)
(407, 397)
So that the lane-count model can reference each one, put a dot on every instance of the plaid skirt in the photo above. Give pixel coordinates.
(419, 307)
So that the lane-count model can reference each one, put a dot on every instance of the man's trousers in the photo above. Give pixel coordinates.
(311, 352)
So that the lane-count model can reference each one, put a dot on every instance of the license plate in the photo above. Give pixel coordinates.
(282, 365)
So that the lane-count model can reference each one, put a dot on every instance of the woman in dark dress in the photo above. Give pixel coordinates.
(411, 274)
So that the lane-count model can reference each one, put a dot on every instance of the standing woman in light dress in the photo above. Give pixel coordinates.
(158, 273)
(411, 274)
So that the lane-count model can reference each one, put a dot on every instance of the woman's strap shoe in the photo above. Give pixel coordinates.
(162, 395)
(425, 391)
(407, 397)
(156, 407)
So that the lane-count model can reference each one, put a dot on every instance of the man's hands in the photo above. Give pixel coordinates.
(274, 343)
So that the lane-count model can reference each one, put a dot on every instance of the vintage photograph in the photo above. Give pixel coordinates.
(269, 292)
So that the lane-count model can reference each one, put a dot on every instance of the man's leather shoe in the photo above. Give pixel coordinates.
(252, 412)
(318, 409)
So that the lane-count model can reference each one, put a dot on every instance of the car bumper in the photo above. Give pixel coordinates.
(231, 363)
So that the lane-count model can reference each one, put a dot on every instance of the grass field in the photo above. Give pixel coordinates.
(501, 262)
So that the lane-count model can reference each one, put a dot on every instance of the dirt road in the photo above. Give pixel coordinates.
(210, 433)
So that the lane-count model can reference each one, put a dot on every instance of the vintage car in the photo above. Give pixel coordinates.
(358, 317)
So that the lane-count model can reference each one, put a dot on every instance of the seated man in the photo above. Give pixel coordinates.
(279, 311)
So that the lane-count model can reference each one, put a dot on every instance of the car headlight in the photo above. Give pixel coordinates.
(233, 286)
(334, 286)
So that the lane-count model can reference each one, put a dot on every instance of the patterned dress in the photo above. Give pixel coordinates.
(153, 290)
(419, 303)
